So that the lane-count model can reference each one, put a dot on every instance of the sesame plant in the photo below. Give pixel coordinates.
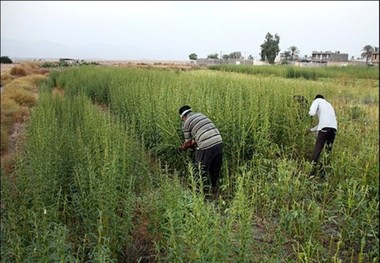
(102, 174)
(71, 197)
(311, 73)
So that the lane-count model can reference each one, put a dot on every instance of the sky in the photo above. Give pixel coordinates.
(171, 30)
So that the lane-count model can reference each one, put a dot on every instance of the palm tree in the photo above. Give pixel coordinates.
(293, 51)
(286, 54)
(367, 52)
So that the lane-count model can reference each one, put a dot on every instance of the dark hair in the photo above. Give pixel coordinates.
(184, 108)
(319, 96)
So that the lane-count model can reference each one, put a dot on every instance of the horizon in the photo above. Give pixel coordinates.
(143, 30)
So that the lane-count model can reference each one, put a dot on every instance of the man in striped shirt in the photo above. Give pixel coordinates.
(200, 131)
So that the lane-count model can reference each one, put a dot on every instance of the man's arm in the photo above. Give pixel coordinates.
(187, 145)
(313, 108)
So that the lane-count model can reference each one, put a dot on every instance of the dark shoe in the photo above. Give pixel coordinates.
(216, 194)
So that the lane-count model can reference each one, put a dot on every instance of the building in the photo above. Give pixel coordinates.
(375, 58)
(68, 61)
(212, 61)
(328, 56)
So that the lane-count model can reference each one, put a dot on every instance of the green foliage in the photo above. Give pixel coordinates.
(285, 71)
(270, 48)
(213, 56)
(78, 176)
(367, 52)
(294, 51)
(5, 60)
(85, 63)
(293, 73)
(51, 82)
(50, 65)
(110, 185)
(357, 113)
(287, 55)
(193, 56)
(235, 55)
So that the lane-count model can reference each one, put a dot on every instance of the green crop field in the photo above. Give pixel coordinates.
(100, 179)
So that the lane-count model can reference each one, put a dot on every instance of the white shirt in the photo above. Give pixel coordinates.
(326, 114)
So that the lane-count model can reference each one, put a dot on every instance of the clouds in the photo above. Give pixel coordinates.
(174, 29)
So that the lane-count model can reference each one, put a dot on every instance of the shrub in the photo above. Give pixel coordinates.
(26, 68)
(30, 66)
(88, 63)
(18, 71)
(5, 60)
(50, 65)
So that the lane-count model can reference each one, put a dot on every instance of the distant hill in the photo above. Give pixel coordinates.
(46, 49)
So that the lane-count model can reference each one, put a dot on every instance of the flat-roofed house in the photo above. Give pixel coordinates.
(328, 56)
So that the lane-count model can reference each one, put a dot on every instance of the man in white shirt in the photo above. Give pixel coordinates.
(326, 128)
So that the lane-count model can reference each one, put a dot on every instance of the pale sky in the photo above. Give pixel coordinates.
(171, 30)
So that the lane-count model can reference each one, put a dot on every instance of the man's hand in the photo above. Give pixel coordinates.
(187, 145)
(181, 149)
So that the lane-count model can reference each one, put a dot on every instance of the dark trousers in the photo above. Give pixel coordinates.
(325, 136)
(210, 161)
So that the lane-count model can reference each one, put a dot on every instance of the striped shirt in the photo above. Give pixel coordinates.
(199, 127)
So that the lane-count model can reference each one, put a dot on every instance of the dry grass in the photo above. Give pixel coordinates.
(29, 83)
(27, 68)
(18, 71)
(19, 94)
(6, 78)
(23, 97)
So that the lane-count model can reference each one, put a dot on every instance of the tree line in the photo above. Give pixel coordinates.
(270, 49)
